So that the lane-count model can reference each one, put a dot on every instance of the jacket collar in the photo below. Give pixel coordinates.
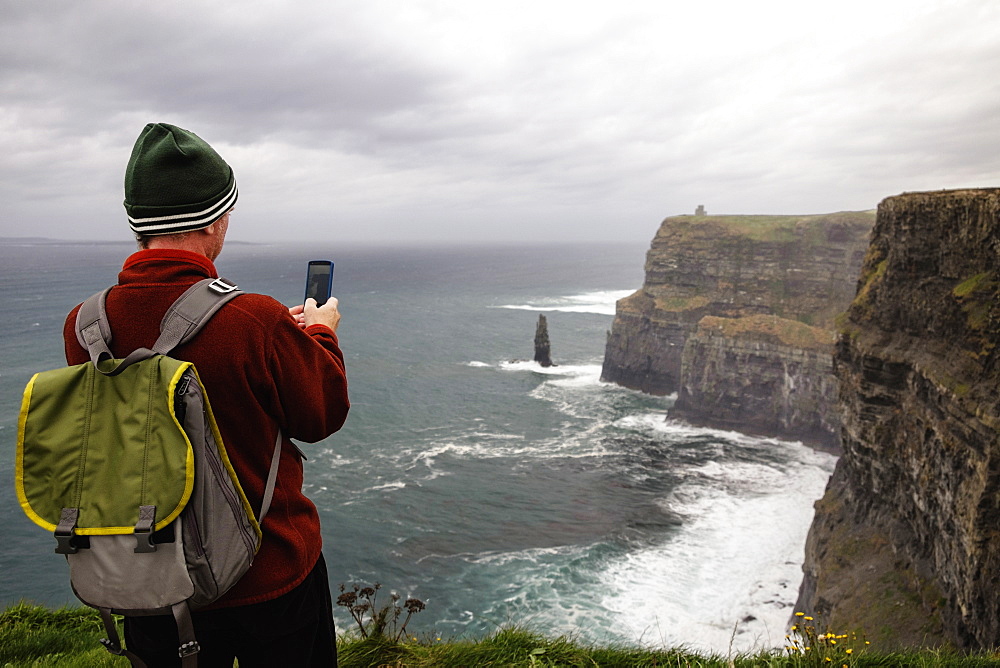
(165, 265)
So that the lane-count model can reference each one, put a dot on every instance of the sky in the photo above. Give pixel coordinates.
(436, 121)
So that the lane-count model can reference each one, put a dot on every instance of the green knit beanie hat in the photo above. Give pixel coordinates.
(175, 182)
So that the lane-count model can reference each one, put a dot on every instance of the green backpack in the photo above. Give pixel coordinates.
(123, 462)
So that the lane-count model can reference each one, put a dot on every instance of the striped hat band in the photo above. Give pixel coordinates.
(184, 222)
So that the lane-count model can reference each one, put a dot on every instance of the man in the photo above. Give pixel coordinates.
(265, 367)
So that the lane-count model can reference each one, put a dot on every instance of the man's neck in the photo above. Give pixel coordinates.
(183, 242)
(207, 241)
(199, 241)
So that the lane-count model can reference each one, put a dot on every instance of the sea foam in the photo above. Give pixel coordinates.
(601, 302)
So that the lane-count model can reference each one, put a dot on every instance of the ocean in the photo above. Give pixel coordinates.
(467, 476)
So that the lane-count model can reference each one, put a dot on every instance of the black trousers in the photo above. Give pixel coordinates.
(295, 630)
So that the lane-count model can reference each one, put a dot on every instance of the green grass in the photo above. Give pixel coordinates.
(977, 295)
(770, 328)
(810, 228)
(36, 636)
(677, 304)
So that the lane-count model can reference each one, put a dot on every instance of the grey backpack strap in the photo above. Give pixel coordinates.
(113, 642)
(191, 311)
(189, 647)
(94, 333)
(183, 320)
(92, 328)
(272, 478)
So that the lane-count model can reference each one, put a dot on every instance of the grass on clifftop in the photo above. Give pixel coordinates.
(781, 228)
(36, 636)
(770, 328)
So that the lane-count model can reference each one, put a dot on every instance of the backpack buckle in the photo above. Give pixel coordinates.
(64, 544)
(66, 531)
(188, 648)
(144, 529)
(222, 286)
(112, 647)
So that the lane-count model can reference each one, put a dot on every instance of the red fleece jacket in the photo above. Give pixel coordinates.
(261, 372)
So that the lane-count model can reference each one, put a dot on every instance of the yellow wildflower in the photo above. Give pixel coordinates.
(848, 651)
(799, 614)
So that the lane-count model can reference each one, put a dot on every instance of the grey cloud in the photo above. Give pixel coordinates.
(367, 116)
(294, 77)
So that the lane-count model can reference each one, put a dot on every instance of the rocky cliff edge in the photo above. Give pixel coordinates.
(736, 316)
(905, 544)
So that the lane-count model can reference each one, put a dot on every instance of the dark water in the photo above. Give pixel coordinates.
(490, 488)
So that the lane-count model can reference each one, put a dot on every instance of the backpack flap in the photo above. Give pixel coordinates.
(87, 449)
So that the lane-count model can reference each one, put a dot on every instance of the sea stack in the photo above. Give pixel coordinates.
(542, 350)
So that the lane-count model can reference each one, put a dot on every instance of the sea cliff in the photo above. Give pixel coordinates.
(906, 541)
(761, 374)
(736, 316)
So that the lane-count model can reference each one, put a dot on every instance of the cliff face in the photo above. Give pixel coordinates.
(761, 374)
(907, 536)
(644, 346)
(795, 270)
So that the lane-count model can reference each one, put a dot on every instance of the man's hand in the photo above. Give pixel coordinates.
(310, 314)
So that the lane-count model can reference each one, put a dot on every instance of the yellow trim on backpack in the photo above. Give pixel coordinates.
(113, 530)
(22, 498)
(224, 456)
(189, 459)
